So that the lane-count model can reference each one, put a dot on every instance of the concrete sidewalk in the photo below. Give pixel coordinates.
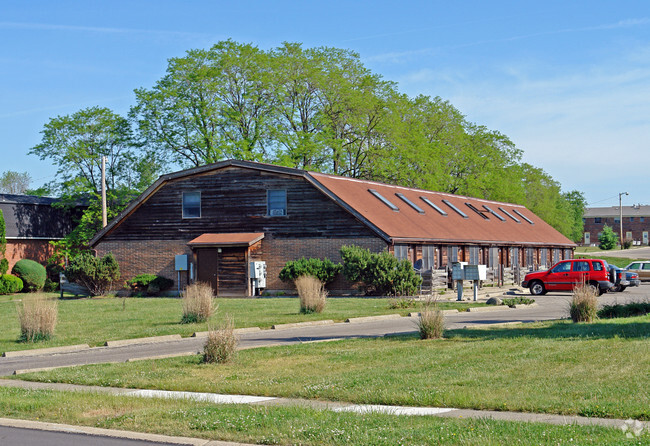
(336, 406)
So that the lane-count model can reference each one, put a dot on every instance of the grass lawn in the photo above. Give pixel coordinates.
(600, 369)
(289, 425)
(621, 262)
(94, 321)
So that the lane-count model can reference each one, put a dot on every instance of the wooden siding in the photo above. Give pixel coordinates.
(234, 200)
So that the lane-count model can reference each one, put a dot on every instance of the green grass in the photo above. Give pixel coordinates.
(618, 261)
(94, 321)
(600, 369)
(289, 425)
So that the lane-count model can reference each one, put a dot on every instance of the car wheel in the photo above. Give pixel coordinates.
(618, 288)
(623, 288)
(596, 289)
(537, 288)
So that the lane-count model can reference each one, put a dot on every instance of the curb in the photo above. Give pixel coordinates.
(353, 320)
(170, 355)
(301, 324)
(495, 308)
(151, 340)
(443, 312)
(500, 324)
(46, 351)
(112, 433)
(204, 334)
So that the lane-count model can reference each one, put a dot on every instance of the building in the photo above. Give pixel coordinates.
(225, 215)
(636, 223)
(31, 223)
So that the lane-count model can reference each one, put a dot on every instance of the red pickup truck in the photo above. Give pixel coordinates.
(567, 274)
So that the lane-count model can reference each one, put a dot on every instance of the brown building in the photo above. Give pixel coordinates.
(31, 223)
(636, 223)
(225, 215)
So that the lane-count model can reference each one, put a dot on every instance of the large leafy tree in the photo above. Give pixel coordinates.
(14, 182)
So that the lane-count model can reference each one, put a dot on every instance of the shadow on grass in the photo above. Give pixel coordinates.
(638, 327)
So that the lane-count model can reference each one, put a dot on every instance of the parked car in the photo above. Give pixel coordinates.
(642, 268)
(622, 278)
(567, 274)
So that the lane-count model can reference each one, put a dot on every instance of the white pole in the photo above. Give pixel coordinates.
(104, 213)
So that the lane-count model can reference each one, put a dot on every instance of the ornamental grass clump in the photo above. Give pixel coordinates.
(198, 303)
(432, 322)
(37, 316)
(312, 294)
(221, 344)
(584, 304)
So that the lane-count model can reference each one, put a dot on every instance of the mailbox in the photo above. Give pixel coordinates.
(475, 272)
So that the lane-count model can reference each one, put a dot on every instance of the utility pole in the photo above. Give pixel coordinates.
(620, 218)
(104, 213)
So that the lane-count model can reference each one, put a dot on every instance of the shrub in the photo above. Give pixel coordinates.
(400, 302)
(624, 310)
(149, 283)
(95, 273)
(4, 266)
(380, 273)
(37, 318)
(50, 286)
(323, 269)
(584, 304)
(4, 263)
(198, 303)
(312, 294)
(10, 284)
(53, 271)
(32, 274)
(221, 344)
(607, 239)
(432, 322)
(519, 300)
(627, 244)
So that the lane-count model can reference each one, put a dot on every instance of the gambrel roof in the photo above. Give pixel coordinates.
(399, 214)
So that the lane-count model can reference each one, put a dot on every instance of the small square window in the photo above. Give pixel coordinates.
(191, 204)
(597, 220)
(276, 202)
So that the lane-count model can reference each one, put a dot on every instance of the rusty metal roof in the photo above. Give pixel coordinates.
(227, 239)
(479, 224)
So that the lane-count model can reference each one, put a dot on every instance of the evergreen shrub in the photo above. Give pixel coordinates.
(10, 284)
(323, 269)
(95, 273)
(32, 274)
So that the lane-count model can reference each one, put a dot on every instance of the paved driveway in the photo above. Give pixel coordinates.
(634, 253)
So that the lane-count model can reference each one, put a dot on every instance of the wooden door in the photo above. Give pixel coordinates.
(224, 269)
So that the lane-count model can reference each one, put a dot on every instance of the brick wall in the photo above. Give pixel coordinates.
(637, 227)
(37, 250)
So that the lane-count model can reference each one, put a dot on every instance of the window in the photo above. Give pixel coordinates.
(597, 266)
(509, 215)
(430, 203)
(401, 252)
(543, 256)
(581, 266)
(641, 219)
(617, 219)
(631, 219)
(452, 254)
(428, 256)
(191, 204)
(556, 255)
(523, 216)
(598, 220)
(530, 256)
(634, 266)
(628, 235)
(646, 266)
(472, 207)
(494, 257)
(564, 268)
(474, 255)
(276, 202)
(384, 200)
(491, 211)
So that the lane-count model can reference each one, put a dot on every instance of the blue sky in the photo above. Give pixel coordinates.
(568, 82)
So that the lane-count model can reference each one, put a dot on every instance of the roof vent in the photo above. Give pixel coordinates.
(410, 203)
(384, 200)
(510, 215)
(433, 205)
(494, 213)
(478, 211)
(523, 216)
(458, 211)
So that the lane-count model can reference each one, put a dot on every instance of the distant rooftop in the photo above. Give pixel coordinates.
(636, 210)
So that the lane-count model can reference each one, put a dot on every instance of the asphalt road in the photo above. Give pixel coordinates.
(551, 306)
(35, 437)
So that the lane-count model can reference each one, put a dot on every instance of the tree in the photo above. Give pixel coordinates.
(4, 263)
(14, 182)
(607, 239)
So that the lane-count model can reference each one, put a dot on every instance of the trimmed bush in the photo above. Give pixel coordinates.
(323, 269)
(221, 344)
(37, 318)
(381, 274)
(10, 284)
(32, 274)
(149, 283)
(584, 304)
(95, 273)
(312, 294)
(198, 303)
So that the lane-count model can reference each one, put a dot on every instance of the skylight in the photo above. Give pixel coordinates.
(461, 213)
(384, 200)
(433, 205)
(410, 203)
(494, 213)
(510, 215)
(478, 211)
(523, 216)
